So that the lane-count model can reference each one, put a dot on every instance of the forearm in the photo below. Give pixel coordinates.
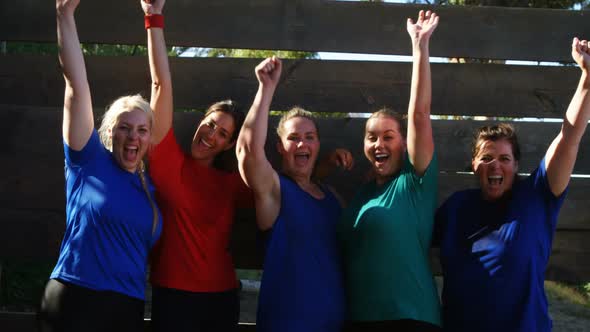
(70, 55)
(578, 112)
(421, 86)
(254, 131)
(161, 99)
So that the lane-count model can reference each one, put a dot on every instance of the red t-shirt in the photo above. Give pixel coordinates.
(198, 204)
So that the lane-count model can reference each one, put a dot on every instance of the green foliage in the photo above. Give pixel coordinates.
(87, 49)
(556, 4)
(241, 53)
(30, 48)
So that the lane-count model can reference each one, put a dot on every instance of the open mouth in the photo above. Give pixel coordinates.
(495, 180)
(381, 157)
(130, 152)
(301, 157)
(202, 141)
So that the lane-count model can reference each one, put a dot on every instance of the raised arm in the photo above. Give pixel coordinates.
(161, 99)
(419, 141)
(255, 168)
(78, 121)
(561, 155)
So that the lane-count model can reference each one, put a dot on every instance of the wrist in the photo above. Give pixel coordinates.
(154, 21)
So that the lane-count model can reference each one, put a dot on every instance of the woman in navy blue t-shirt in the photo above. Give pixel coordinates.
(496, 240)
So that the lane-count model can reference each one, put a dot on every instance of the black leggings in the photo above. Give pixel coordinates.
(401, 325)
(179, 311)
(67, 308)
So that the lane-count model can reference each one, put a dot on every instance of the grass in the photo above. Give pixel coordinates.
(556, 290)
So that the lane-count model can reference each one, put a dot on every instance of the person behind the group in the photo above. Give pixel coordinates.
(386, 230)
(301, 288)
(111, 219)
(496, 240)
(195, 287)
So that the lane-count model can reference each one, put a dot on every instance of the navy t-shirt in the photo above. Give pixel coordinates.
(494, 256)
(301, 288)
(109, 223)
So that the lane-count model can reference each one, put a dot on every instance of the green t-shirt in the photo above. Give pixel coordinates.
(385, 235)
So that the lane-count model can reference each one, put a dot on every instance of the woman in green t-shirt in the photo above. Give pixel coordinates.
(387, 228)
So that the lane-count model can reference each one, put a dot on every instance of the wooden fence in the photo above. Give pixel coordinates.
(31, 95)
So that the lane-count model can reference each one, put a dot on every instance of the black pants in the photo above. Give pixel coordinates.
(179, 311)
(402, 325)
(69, 308)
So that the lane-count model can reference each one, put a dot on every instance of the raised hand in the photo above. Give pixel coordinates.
(66, 7)
(581, 53)
(268, 72)
(152, 6)
(424, 26)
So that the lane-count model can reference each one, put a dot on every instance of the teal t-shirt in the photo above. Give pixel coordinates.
(385, 235)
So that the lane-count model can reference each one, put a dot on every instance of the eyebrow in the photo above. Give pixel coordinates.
(384, 132)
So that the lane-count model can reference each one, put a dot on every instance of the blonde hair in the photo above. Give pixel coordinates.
(119, 106)
(296, 112)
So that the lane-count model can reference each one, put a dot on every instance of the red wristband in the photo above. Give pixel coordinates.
(154, 21)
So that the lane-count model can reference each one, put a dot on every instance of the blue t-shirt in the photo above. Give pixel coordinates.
(494, 255)
(109, 223)
(301, 287)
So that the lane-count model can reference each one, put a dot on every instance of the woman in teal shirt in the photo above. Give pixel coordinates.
(387, 228)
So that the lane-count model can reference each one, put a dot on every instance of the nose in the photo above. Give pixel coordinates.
(133, 134)
(494, 163)
(379, 142)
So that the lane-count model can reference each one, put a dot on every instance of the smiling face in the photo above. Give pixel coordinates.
(131, 138)
(213, 136)
(299, 146)
(495, 167)
(384, 146)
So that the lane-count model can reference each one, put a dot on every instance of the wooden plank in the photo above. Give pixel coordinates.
(569, 257)
(34, 155)
(324, 86)
(476, 32)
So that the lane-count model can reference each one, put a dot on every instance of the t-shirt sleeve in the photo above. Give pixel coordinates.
(165, 163)
(541, 186)
(425, 187)
(80, 158)
(430, 176)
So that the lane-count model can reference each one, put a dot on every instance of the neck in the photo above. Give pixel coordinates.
(303, 180)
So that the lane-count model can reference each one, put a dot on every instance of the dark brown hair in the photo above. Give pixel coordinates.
(226, 160)
(389, 113)
(495, 133)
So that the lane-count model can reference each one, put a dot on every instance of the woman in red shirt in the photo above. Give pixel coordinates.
(193, 277)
